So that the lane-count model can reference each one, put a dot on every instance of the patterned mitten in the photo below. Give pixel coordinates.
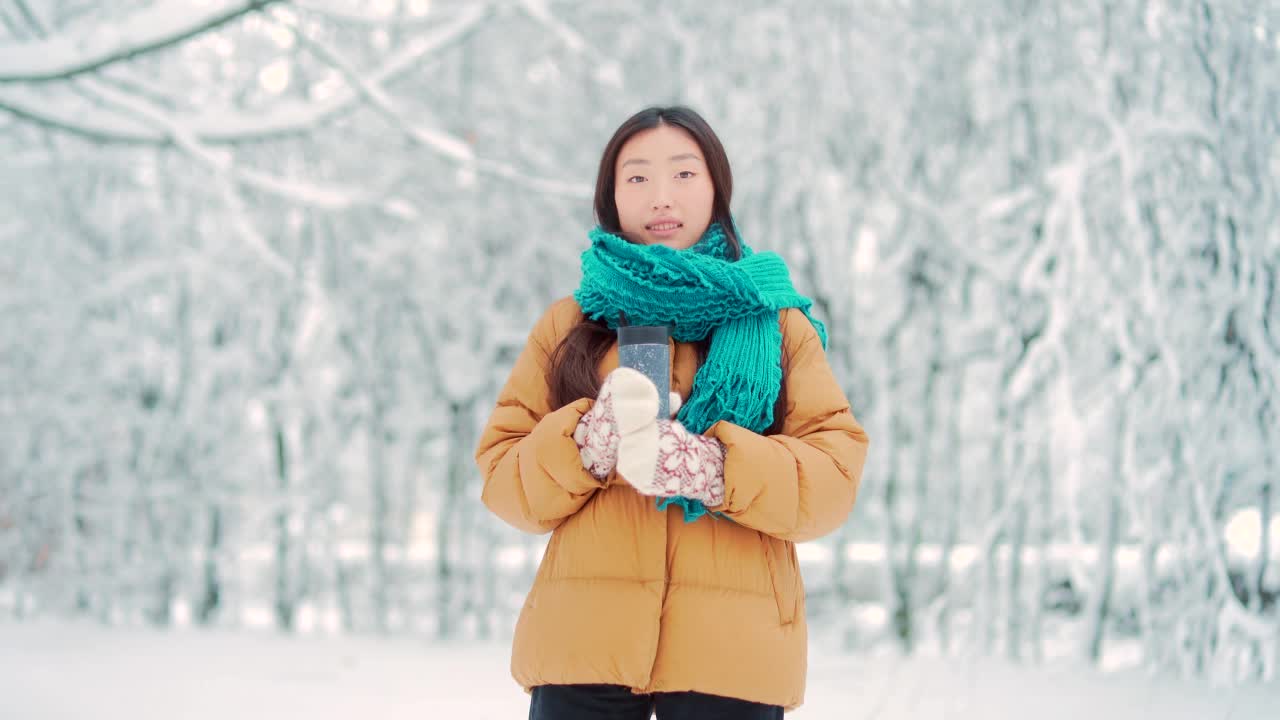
(661, 457)
(597, 433)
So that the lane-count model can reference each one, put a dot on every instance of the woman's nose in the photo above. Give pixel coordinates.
(661, 194)
(661, 198)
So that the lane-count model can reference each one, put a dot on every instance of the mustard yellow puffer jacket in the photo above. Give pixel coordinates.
(628, 595)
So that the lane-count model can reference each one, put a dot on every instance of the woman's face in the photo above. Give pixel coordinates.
(662, 188)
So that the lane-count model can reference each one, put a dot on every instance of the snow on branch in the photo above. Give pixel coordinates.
(96, 46)
(441, 142)
(538, 10)
(76, 116)
(326, 197)
(949, 216)
(55, 106)
(339, 14)
(542, 185)
(437, 140)
(61, 108)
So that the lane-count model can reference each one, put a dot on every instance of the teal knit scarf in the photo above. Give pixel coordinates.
(699, 292)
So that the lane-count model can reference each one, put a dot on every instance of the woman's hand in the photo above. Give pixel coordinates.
(661, 457)
(598, 434)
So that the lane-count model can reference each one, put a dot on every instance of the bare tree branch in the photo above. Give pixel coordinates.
(33, 21)
(55, 106)
(67, 112)
(93, 47)
(328, 197)
(540, 10)
(438, 141)
(334, 13)
(441, 142)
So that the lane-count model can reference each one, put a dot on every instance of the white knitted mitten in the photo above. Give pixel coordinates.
(661, 457)
(597, 434)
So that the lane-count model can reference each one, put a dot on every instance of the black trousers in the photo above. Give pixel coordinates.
(615, 702)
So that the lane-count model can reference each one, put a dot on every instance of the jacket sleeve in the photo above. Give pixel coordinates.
(800, 484)
(533, 475)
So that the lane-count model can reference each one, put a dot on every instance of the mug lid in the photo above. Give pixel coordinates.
(643, 335)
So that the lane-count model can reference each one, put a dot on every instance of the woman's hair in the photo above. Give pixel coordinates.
(575, 361)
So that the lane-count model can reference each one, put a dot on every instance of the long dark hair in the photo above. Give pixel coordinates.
(575, 361)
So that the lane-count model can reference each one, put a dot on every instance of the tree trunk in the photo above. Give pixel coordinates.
(1043, 576)
(1264, 550)
(406, 518)
(211, 588)
(1100, 602)
(285, 608)
(1017, 541)
(908, 592)
(450, 507)
(379, 518)
(894, 600)
(951, 529)
(984, 616)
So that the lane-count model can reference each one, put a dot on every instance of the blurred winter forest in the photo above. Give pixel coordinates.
(264, 266)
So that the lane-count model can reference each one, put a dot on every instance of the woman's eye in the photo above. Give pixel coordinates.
(684, 174)
(635, 178)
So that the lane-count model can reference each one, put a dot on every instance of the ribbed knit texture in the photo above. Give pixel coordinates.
(698, 292)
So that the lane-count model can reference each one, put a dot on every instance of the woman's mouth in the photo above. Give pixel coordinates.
(664, 229)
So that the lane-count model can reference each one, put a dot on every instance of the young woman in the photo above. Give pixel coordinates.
(670, 581)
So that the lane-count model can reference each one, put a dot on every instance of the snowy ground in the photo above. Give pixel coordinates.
(63, 671)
